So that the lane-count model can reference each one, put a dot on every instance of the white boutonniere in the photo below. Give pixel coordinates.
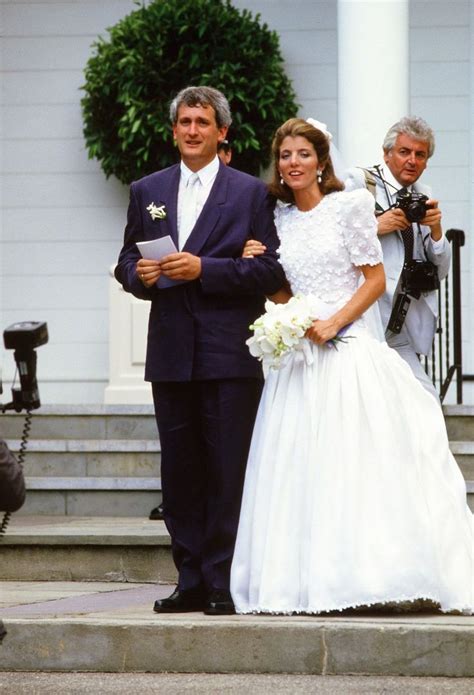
(157, 213)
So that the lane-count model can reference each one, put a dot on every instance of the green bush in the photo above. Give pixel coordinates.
(164, 46)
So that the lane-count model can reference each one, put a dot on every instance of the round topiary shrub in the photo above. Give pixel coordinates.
(164, 46)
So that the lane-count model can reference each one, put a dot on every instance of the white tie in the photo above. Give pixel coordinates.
(188, 210)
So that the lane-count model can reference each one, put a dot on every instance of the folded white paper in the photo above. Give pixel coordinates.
(155, 250)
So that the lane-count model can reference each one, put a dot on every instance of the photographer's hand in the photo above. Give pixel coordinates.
(432, 219)
(391, 221)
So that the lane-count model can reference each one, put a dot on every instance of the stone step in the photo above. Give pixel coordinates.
(90, 457)
(65, 548)
(464, 454)
(74, 496)
(57, 626)
(121, 493)
(133, 458)
(84, 422)
(94, 484)
(459, 422)
(120, 442)
(138, 422)
(470, 494)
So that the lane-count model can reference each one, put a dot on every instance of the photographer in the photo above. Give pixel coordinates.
(416, 254)
(12, 482)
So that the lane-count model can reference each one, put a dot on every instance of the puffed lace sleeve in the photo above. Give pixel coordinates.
(360, 228)
(279, 214)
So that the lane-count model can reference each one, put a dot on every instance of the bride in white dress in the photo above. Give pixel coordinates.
(352, 497)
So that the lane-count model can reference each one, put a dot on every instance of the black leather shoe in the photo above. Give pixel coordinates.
(156, 513)
(220, 603)
(185, 601)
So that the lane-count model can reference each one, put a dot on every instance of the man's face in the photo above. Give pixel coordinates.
(197, 135)
(407, 159)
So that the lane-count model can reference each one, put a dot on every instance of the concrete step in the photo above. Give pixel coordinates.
(120, 442)
(138, 422)
(464, 454)
(26, 683)
(105, 549)
(134, 457)
(55, 626)
(459, 422)
(90, 457)
(105, 497)
(470, 494)
(84, 422)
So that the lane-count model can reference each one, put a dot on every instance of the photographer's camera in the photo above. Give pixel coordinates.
(417, 277)
(413, 204)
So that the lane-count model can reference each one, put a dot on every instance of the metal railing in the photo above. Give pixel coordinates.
(445, 362)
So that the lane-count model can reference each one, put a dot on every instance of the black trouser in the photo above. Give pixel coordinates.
(205, 431)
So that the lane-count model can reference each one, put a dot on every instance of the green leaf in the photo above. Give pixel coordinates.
(162, 46)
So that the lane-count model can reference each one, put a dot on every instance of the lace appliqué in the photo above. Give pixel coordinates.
(321, 249)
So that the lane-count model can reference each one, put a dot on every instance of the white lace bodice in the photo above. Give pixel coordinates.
(321, 249)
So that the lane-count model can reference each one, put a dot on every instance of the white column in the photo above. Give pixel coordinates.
(373, 77)
(128, 320)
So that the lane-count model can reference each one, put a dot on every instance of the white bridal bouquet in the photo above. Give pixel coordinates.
(281, 329)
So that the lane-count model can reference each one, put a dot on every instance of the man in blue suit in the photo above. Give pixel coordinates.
(206, 386)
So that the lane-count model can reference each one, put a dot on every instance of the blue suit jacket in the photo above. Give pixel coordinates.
(197, 330)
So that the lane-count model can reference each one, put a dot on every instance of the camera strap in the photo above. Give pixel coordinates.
(371, 185)
(385, 185)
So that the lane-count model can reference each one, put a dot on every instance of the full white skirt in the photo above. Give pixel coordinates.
(351, 496)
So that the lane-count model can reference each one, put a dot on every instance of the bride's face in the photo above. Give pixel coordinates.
(298, 163)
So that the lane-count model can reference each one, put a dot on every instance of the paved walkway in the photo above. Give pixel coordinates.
(230, 684)
(122, 601)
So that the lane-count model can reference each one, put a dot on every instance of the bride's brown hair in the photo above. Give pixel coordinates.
(294, 127)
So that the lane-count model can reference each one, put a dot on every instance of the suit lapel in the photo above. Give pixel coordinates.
(169, 196)
(210, 214)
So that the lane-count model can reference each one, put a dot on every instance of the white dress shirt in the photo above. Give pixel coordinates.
(196, 199)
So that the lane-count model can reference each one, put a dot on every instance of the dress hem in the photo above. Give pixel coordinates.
(399, 604)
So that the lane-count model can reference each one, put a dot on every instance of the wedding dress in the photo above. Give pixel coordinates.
(351, 497)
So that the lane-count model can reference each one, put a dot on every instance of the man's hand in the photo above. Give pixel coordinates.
(148, 271)
(391, 221)
(432, 219)
(181, 266)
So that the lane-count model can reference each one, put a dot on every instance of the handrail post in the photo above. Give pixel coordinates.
(457, 239)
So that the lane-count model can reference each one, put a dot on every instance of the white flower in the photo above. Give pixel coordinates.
(320, 126)
(157, 213)
(280, 330)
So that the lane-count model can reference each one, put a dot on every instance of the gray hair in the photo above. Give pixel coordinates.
(203, 96)
(413, 126)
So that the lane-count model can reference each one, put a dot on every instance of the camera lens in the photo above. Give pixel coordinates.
(416, 211)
